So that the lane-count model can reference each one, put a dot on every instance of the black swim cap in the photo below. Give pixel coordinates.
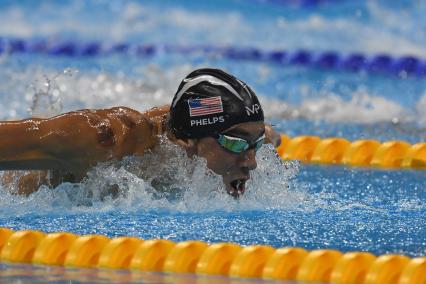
(208, 101)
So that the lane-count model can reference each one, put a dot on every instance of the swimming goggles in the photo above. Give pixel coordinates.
(238, 145)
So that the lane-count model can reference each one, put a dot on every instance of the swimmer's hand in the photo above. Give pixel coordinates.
(271, 136)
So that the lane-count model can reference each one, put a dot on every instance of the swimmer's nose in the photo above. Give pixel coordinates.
(248, 159)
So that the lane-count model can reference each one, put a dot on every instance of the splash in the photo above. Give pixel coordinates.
(47, 101)
(163, 179)
(43, 92)
(167, 179)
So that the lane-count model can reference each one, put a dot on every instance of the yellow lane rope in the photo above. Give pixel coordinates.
(257, 261)
(389, 154)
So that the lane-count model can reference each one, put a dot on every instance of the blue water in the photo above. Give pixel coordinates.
(287, 203)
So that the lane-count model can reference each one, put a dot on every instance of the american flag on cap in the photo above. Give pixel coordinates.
(205, 106)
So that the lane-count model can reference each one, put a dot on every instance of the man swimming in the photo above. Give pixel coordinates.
(213, 115)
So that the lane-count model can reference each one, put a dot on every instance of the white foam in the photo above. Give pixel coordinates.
(421, 110)
(387, 31)
(50, 93)
(318, 32)
(43, 93)
(362, 108)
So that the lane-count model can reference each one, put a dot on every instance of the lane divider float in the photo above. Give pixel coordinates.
(228, 259)
(378, 64)
(301, 3)
(389, 154)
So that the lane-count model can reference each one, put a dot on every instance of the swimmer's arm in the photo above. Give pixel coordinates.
(77, 139)
(19, 145)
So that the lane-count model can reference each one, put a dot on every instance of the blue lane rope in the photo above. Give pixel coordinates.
(300, 3)
(381, 63)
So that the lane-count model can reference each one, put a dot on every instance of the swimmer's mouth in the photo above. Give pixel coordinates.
(237, 188)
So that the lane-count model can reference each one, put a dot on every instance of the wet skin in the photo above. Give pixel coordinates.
(232, 166)
(64, 148)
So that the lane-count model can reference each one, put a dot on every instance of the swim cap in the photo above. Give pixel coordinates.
(209, 101)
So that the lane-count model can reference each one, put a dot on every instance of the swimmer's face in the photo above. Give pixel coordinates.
(233, 167)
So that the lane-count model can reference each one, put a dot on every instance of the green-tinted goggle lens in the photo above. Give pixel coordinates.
(238, 145)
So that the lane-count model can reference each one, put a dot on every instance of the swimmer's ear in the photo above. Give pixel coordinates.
(189, 145)
(272, 136)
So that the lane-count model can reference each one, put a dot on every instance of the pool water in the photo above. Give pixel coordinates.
(287, 203)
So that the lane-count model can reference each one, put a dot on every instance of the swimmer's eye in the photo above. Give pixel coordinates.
(237, 144)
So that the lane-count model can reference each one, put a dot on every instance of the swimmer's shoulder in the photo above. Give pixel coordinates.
(139, 129)
(133, 114)
(128, 116)
(126, 130)
(154, 118)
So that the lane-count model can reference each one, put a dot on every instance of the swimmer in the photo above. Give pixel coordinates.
(213, 115)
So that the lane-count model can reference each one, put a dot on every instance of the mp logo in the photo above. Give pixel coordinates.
(253, 109)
